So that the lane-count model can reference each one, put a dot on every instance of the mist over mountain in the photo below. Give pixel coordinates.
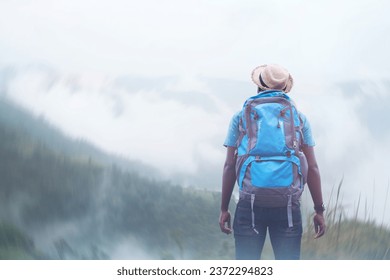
(352, 131)
(62, 197)
(175, 125)
(137, 118)
(74, 202)
(95, 112)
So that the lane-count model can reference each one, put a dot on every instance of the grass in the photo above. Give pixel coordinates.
(347, 238)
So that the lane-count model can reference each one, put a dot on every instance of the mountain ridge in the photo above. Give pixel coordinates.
(78, 207)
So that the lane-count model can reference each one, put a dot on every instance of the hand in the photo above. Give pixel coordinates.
(319, 225)
(225, 222)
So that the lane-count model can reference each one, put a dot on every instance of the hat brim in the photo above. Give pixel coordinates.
(256, 79)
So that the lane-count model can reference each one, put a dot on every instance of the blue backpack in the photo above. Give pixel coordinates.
(271, 167)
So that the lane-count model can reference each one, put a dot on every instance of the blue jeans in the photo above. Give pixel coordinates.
(249, 241)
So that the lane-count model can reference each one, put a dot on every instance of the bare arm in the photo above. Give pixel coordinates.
(228, 182)
(314, 184)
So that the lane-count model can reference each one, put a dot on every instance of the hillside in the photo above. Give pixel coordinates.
(68, 204)
(62, 198)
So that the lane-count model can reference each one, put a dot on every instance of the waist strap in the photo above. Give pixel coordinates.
(253, 198)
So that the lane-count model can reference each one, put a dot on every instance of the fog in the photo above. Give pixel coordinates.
(158, 81)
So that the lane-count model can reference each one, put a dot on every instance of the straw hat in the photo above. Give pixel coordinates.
(272, 76)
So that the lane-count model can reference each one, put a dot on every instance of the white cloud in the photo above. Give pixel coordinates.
(213, 38)
(162, 132)
(347, 148)
(320, 42)
(187, 83)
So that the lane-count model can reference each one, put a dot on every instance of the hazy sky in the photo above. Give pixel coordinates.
(159, 80)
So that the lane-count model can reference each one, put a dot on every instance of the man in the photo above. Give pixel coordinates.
(252, 220)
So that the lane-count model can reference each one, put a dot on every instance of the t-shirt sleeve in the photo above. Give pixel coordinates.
(233, 131)
(308, 138)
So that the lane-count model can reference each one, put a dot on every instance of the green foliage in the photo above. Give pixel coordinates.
(15, 245)
(44, 189)
(347, 238)
(168, 220)
(76, 203)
